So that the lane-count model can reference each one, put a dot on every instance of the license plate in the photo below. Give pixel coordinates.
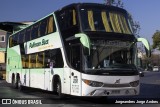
(115, 91)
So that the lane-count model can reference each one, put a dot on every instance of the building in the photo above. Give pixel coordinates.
(6, 29)
(3, 44)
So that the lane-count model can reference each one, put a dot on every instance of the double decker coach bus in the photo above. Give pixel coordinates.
(83, 49)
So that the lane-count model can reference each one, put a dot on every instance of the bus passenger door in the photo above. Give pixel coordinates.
(75, 60)
(66, 81)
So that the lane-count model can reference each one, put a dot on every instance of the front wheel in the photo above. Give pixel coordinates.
(59, 90)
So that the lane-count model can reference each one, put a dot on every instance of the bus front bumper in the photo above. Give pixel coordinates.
(113, 92)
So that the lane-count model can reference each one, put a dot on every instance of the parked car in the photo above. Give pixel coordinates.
(141, 72)
(156, 69)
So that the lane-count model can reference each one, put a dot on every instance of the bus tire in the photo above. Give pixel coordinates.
(14, 83)
(19, 85)
(59, 90)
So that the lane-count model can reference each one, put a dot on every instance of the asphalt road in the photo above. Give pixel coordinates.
(150, 91)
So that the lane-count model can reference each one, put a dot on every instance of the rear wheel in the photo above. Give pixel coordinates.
(14, 83)
(19, 85)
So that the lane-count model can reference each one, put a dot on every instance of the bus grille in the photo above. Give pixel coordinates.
(116, 85)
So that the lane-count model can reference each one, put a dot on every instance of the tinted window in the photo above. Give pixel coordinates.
(23, 61)
(40, 60)
(10, 41)
(51, 24)
(35, 31)
(47, 26)
(67, 19)
(43, 27)
(27, 34)
(46, 59)
(56, 58)
(15, 40)
(21, 37)
(26, 61)
(32, 61)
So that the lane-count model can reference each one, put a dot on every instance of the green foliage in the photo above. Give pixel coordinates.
(117, 3)
(109, 2)
(156, 40)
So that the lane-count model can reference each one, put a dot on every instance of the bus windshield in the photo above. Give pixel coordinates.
(111, 55)
(97, 19)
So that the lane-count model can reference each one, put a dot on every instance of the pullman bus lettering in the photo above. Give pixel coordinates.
(34, 44)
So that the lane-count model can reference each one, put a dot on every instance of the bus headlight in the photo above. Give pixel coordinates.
(134, 83)
(93, 83)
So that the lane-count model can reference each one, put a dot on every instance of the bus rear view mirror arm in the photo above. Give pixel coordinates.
(147, 46)
(84, 39)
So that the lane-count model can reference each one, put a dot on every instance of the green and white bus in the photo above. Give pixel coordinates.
(83, 49)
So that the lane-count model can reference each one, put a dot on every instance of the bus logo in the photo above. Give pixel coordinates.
(37, 44)
(117, 81)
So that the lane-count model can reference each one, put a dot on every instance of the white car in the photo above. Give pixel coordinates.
(156, 68)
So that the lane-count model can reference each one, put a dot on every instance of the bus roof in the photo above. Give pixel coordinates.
(96, 5)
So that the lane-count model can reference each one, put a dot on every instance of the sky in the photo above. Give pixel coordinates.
(146, 12)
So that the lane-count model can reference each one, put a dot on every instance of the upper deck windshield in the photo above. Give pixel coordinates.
(102, 19)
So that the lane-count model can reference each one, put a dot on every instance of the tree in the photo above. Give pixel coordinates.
(135, 25)
(109, 2)
(156, 40)
(117, 3)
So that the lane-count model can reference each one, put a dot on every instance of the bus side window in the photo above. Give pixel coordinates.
(10, 41)
(37, 61)
(85, 23)
(74, 18)
(46, 59)
(40, 60)
(34, 32)
(56, 58)
(32, 61)
(26, 61)
(27, 34)
(17, 38)
(23, 61)
(61, 20)
(43, 27)
(21, 37)
(29, 62)
(67, 19)
(51, 25)
(14, 40)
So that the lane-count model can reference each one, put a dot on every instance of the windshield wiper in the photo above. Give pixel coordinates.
(124, 66)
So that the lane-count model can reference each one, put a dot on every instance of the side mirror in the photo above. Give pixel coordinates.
(147, 46)
(84, 39)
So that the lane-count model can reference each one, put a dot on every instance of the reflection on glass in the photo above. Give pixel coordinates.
(111, 56)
